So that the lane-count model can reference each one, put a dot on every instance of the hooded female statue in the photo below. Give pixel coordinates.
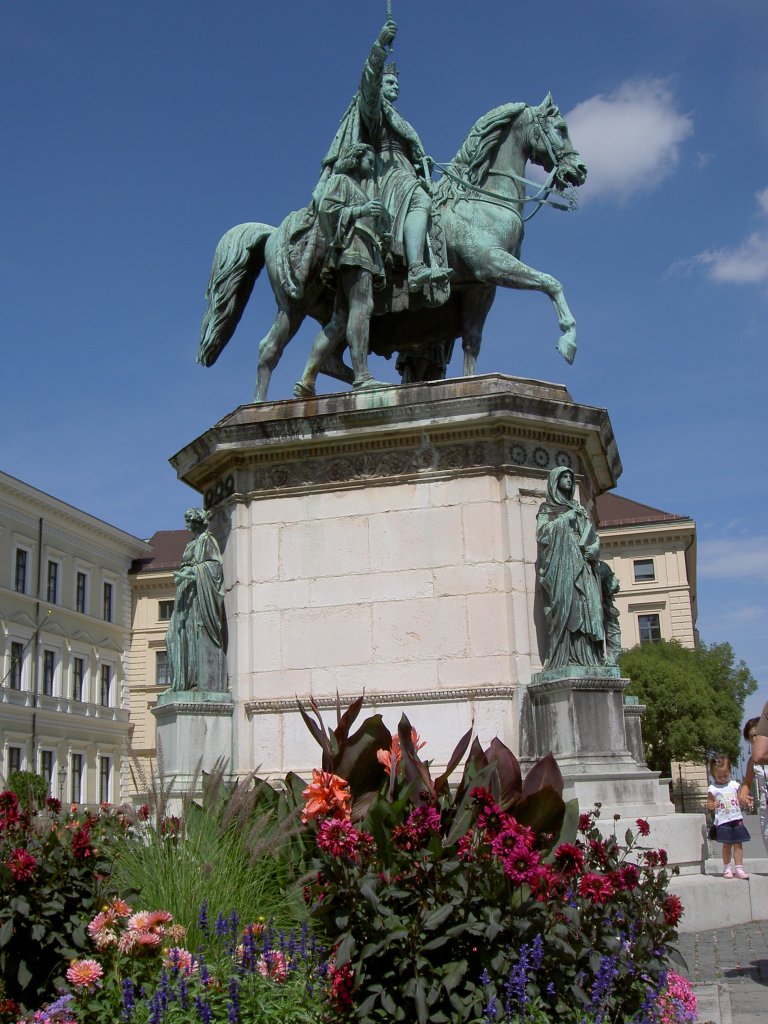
(196, 633)
(567, 569)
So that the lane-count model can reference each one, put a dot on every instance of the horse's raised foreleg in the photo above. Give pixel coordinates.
(287, 321)
(501, 268)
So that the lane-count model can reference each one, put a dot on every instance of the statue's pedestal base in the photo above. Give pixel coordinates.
(579, 714)
(194, 732)
(384, 542)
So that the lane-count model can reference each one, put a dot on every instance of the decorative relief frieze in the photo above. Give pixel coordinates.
(406, 458)
(279, 706)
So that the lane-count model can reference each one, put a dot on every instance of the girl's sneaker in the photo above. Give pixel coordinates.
(740, 872)
(727, 873)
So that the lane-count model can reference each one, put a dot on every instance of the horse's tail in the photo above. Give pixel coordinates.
(237, 262)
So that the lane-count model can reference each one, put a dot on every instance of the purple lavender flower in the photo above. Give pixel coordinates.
(202, 919)
(129, 1000)
(204, 1012)
(234, 1001)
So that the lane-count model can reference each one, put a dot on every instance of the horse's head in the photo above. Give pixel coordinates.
(551, 145)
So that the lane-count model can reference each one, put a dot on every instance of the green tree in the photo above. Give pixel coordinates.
(694, 699)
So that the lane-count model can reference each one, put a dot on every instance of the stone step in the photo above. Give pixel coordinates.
(712, 901)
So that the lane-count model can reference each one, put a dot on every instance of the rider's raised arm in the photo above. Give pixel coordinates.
(370, 81)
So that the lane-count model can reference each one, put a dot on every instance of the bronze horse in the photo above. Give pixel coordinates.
(480, 199)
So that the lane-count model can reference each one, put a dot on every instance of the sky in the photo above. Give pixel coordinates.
(135, 134)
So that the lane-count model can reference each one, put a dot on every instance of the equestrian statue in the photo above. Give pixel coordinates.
(385, 259)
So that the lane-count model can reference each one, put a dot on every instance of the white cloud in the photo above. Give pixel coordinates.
(630, 139)
(743, 558)
(746, 263)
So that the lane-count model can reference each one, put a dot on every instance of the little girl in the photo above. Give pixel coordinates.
(723, 799)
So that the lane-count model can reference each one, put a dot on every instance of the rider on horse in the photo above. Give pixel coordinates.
(401, 161)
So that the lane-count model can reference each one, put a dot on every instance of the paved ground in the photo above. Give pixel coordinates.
(736, 961)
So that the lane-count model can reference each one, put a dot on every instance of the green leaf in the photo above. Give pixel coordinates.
(420, 996)
(345, 950)
(6, 932)
(437, 917)
(23, 974)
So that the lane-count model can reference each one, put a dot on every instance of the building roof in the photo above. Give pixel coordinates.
(167, 549)
(613, 510)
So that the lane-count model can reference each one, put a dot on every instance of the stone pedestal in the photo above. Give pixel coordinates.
(579, 715)
(194, 731)
(384, 541)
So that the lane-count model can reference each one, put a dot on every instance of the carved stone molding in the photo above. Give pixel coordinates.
(276, 706)
(606, 684)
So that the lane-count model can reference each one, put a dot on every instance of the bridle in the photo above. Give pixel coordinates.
(542, 195)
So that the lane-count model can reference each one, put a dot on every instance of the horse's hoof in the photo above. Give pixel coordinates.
(566, 346)
(304, 390)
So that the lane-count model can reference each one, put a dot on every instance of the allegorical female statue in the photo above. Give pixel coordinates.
(568, 570)
(196, 633)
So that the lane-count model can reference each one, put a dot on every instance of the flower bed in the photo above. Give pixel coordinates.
(488, 901)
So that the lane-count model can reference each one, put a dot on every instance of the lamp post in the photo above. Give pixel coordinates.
(62, 773)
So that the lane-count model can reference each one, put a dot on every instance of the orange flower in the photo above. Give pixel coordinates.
(386, 757)
(327, 794)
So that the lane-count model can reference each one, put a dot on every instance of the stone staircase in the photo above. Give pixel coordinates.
(712, 901)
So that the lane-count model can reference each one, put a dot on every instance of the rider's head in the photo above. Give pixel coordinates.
(390, 85)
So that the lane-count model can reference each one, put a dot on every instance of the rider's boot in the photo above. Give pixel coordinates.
(419, 274)
(366, 381)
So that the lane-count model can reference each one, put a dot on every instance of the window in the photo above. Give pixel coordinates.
(17, 657)
(20, 576)
(165, 610)
(78, 675)
(644, 571)
(162, 678)
(53, 582)
(105, 773)
(13, 760)
(75, 778)
(649, 627)
(81, 582)
(108, 602)
(106, 680)
(46, 767)
(49, 668)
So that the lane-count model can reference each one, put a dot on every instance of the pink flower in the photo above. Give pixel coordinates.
(678, 996)
(673, 909)
(21, 864)
(569, 859)
(339, 838)
(148, 920)
(520, 865)
(101, 931)
(84, 973)
(273, 965)
(596, 888)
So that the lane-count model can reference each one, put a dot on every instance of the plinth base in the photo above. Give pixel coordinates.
(194, 732)
(578, 714)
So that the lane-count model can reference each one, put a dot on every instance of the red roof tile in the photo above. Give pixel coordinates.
(613, 510)
(167, 549)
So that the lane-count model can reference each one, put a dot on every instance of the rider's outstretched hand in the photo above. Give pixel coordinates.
(387, 34)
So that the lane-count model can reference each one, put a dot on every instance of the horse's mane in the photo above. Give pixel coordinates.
(477, 151)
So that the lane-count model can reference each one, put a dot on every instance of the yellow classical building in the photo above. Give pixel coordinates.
(65, 605)
(152, 589)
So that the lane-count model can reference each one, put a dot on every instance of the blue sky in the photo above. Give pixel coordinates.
(135, 134)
